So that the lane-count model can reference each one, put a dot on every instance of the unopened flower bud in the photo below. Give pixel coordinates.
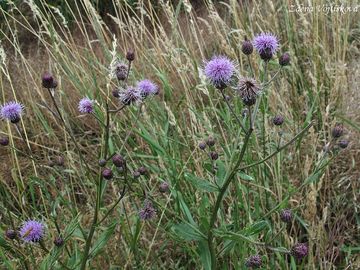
(10, 234)
(278, 120)
(247, 47)
(136, 174)
(337, 131)
(284, 59)
(48, 81)
(118, 160)
(58, 241)
(142, 170)
(107, 174)
(130, 55)
(202, 145)
(102, 162)
(253, 261)
(214, 155)
(286, 215)
(164, 187)
(210, 141)
(59, 160)
(115, 92)
(4, 141)
(299, 250)
(343, 144)
(266, 55)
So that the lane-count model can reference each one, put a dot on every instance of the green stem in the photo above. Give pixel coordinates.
(220, 197)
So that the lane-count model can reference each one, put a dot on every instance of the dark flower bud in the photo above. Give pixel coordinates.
(48, 81)
(107, 174)
(58, 241)
(337, 131)
(4, 141)
(299, 250)
(10, 234)
(164, 187)
(121, 71)
(210, 141)
(59, 161)
(51, 163)
(284, 59)
(115, 92)
(278, 120)
(102, 162)
(15, 119)
(202, 145)
(286, 215)
(130, 55)
(247, 47)
(343, 144)
(266, 54)
(142, 170)
(214, 155)
(118, 160)
(253, 261)
(136, 174)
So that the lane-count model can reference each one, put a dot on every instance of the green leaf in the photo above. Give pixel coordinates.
(102, 240)
(188, 232)
(204, 253)
(246, 177)
(200, 184)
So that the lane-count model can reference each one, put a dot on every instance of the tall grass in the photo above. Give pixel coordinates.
(171, 41)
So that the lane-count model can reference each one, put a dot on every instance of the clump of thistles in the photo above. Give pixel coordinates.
(253, 261)
(130, 95)
(248, 89)
(148, 211)
(11, 111)
(32, 231)
(86, 105)
(219, 71)
(147, 88)
(299, 250)
(266, 44)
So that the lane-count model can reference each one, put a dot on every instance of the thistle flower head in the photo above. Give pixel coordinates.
(130, 95)
(337, 131)
(11, 111)
(248, 89)
(300, 250)
(86, 105)
(343, 144)
(278, 120)
(32, 231)
(253, 261)
(147, 88)
(107, 173)
(4, 141)
(148, 211)
(59, 241)
(130, 55)
(219, 71)
(284, 59)
(10, 234)
(266, 44)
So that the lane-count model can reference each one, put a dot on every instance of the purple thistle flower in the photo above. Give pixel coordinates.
(147, 88)
(11, 111)
(266, 44)
(130, 95)
(300, 250)
(148, 211)
(253, 261)
(86, 105)
(219, 71)
(32, 231)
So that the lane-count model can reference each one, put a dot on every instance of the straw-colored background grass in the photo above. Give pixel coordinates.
(171, 41)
